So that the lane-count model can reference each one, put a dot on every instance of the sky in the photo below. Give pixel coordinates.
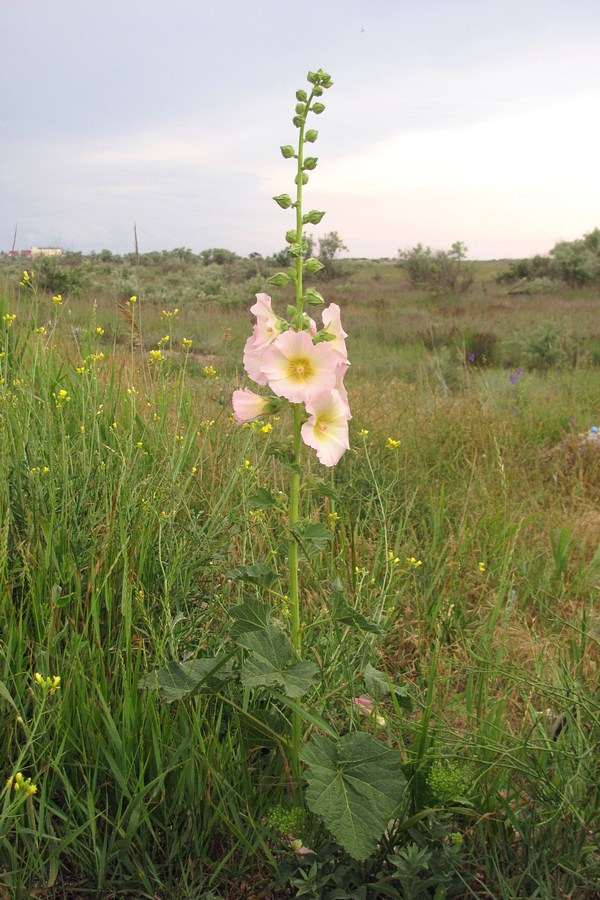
(470, 120)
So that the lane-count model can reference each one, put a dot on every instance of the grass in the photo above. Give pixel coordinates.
(125, 506)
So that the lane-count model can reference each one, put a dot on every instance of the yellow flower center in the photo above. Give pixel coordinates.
(300, 368)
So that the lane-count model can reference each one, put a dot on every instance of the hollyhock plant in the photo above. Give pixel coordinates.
(326, 430)
(297, 369)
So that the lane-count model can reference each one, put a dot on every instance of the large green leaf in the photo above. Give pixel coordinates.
(313, 537)
(250, 615)
(259, 574)
(176, 680)
(355, 785)
(271, 663)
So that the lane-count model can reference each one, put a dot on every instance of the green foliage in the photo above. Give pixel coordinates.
(574, 263)
(57, 278)
(330, 244)
(355, 785)
(440, 270)
(550, 345)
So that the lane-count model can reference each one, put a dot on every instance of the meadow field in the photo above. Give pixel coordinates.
(458, 559)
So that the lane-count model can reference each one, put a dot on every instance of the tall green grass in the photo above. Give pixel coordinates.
(127, 500)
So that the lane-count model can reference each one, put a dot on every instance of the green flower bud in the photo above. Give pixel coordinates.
(312, 77)
(310, 163)
(290, 236)
(279, 280)
(301, 95)
(324, 78)
(295, 250)
(317, 91)
(313, 217)
(292, 275)
(300, 108)
(322, 337)
(283, 200)
(304, 178)
(311, 135)
(314, 298)
(287, 152)
(298, 121)
(318, 108)
(312, 265)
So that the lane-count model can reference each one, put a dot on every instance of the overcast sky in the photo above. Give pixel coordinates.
(472, 120)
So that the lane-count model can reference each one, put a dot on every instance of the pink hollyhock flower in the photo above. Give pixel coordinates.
(253, 360)
(267, 323)
(297, 369)
(326, 430)
(333, 324)
(367, 706)
(365, 702)
(247, 405)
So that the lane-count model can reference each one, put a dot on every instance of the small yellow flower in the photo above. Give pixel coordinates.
(481, 566)
(140, 444)
(194, 470)
(41, 330)
(394, 560)
(363, 432)
(156, 356)
(133, 298)
(414, 562)
(210, 371)
(9, 318)
(57, 299)
(266, 428)
(392, 444)
(187, 343)
(99, 331)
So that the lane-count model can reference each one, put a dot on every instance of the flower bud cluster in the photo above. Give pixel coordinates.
(22, 784)
(49, 683)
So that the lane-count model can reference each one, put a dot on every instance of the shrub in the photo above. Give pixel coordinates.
(437, 270)
(551, 345)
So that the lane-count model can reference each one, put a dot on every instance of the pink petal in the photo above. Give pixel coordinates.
(326, 430)
(297, 369)
(247, 405)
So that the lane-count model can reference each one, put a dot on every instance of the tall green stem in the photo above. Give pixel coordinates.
(294, 513)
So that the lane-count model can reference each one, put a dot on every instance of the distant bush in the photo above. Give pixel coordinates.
(574, 263)
(56, 278)
(523, 269)
(439, 270)
(550, 345)
(577, 262)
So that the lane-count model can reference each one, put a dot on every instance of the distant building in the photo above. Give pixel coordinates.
(45, 251)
